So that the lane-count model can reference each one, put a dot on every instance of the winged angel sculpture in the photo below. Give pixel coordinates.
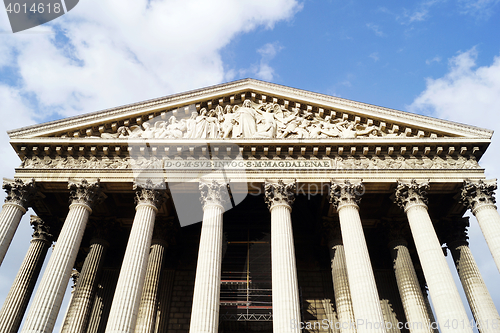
(250, 120)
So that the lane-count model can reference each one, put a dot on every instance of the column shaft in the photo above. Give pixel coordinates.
(447, 303)
(489, 221)
(146, 320)
(43, 312)
(19, 295)
(364, 294)
(10, 216)
(343, 301)
(123, 313)
(409, 290)
(206, 298)
(286, 304)
(76, 319)
(481, 304)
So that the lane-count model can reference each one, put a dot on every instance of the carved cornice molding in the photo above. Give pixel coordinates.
(280, 193)
(41, 229)
(150, 193)
(18, 192)
(213, 193)
(84, 192)
(409, 194)
(477, 195)
(343, 194)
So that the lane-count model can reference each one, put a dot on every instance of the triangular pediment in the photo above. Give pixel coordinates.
(272, 112)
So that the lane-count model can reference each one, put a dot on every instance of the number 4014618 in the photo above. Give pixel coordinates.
(35, 8)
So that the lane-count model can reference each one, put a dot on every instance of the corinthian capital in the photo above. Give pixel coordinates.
(411, 193)
(280, 193)
(150, 193)
(84, 192)
(346, 193)
(19, 192)
(41, 229)
(213, 193)
(478, 194)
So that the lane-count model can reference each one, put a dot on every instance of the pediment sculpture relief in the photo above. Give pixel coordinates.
(250, 120)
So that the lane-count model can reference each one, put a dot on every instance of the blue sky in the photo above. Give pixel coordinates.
(434, 57)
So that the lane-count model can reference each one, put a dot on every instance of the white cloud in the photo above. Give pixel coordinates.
(479, 8)
(374, 56)
(376, 29)
(267, 52)
(435, 59)
(470, 94)
(117, 54)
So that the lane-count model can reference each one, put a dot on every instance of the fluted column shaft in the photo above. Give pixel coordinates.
(286, 302)
(19, 295)
(76, 319)
(489, 221)
(286, 306)
(479, 198)
(16, 203)
(409, 289)
(43, 312)
(343, 301)
(449, 309)
(364, 293)
(125, 306)
(481, 304)
(148, 308)
(206, 297)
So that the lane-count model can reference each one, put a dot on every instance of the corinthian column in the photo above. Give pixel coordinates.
(478, 197)
(482, 306)
(286, 306)
(19, 295)
(19, 194)
(206, 298)
(77, 317)
(444, 294)
(365, 300)
(148, 309)
(125, 306)
(343, 301)
(43, 312)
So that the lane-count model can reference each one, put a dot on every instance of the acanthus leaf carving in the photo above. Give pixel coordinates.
(478, 194)
(151, 193)
(85, 192)
(411, 193)
(279, 193)
(19, 192)
(213, 193)
(41, 229)
(346, 193)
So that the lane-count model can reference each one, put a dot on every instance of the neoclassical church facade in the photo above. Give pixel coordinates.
(249, 207)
